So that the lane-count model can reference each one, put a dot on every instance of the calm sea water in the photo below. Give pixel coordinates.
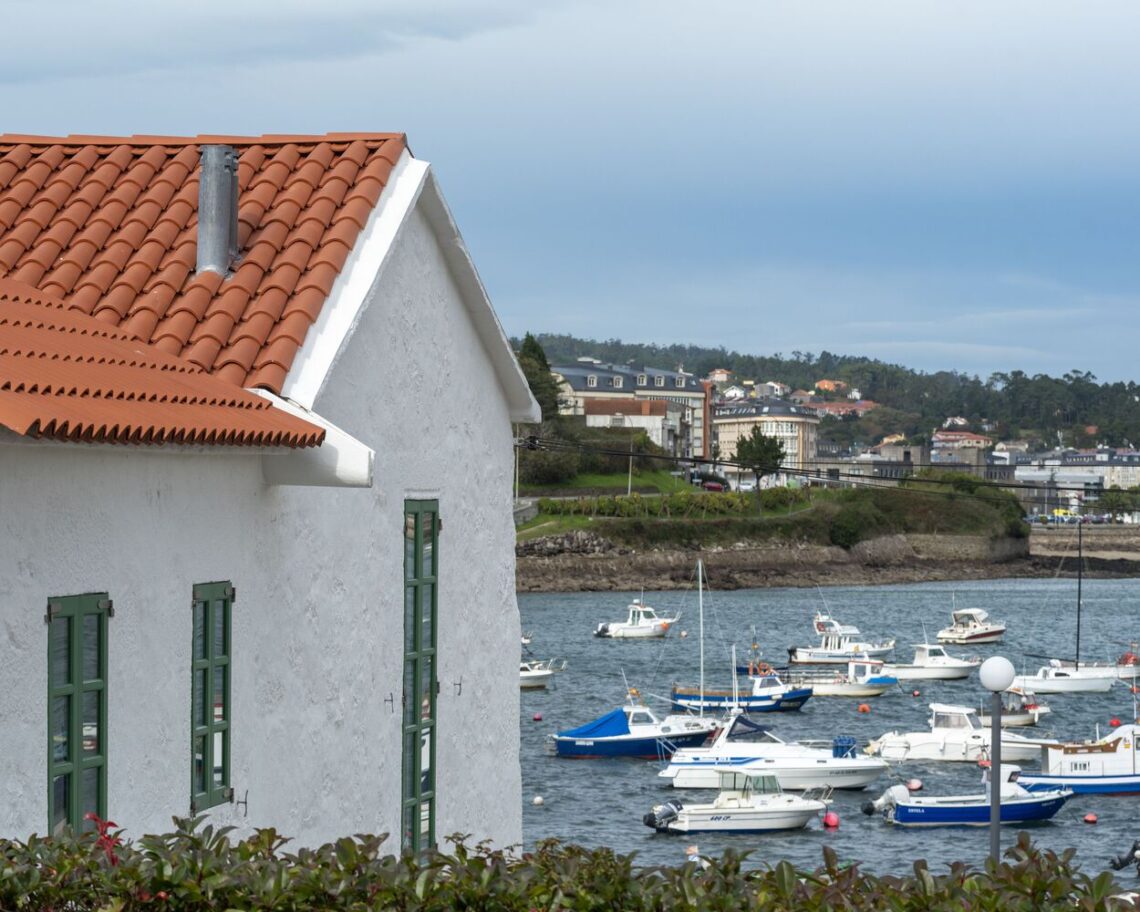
(601, 802)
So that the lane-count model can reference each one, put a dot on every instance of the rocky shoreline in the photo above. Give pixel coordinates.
(583, 561)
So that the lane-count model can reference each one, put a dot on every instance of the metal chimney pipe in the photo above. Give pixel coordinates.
(217, 209)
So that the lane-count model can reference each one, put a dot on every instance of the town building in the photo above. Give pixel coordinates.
(796, 427)
(256, 542)
(591, 379)
(660, 419)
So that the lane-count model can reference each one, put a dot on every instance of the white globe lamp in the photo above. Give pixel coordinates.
(997, 673)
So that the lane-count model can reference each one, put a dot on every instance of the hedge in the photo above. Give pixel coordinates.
(682, 505)
(198, 868)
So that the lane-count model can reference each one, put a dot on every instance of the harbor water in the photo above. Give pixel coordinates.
(601, 802)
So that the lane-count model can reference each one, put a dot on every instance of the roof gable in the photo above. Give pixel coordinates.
(108, 225)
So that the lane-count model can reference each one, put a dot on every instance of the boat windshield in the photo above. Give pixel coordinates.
(744, 731)
(640, 718)
(935, 652)
(955, 720)
(745, 782)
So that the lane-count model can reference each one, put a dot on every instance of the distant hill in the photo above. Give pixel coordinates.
(1073, 408)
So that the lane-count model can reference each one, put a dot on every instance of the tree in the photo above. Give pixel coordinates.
(536, 369)
(762, 454)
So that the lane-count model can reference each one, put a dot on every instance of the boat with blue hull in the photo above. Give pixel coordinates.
(761, 693)
(1018, 805)
(635, 731)
(1106, 766)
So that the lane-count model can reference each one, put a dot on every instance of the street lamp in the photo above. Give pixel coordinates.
(997, 674)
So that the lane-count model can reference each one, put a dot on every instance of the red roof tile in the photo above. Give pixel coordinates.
(68, 376)
(101, 221)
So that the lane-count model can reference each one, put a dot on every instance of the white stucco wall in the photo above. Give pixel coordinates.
(317, 625)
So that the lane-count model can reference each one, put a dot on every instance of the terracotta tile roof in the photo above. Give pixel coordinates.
(108, 224)
(67, 376)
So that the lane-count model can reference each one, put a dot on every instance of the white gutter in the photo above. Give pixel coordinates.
(341, 461)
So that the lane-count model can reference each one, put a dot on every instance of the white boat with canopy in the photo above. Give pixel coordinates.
(642, 622)
(746, 746)
(746, 803)
(838, 644)
(956, 734)
(932, 663)
(971, 626)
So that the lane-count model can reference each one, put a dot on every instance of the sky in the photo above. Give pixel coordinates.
(946, 186)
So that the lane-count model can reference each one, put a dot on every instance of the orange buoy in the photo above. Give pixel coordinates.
(831, 820)
(538, 717)
(864, 707)
(914, 785)
(1114, 722)
(1090, 818)
(916, 693)
(984, 763)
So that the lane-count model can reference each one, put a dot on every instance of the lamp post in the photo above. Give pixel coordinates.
(997, 674)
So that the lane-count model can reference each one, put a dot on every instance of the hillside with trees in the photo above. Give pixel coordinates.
(1073, 408)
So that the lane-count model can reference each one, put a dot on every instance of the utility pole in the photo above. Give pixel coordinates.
(629, 483)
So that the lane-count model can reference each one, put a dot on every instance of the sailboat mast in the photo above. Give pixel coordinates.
(701, 612)
(1080, 575)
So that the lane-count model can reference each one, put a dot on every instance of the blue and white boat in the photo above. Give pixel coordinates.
(1107, 766)
(763, 692)
(634, 730)
(1018, 805)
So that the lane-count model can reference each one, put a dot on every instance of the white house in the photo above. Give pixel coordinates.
(256, 546)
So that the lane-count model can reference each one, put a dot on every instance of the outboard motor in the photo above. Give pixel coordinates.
(603, 630)
(843, 746)
(885, 801)
(662, 815)
(1131, 857)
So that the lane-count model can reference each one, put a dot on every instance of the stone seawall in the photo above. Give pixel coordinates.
(586, 562)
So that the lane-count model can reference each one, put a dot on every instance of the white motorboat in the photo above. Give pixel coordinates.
(535, 675)
(838, 644)
(1057, 677)
(643, 621)
(745, 746)
(861, 678)
(746, 803)
(1019, 708)
(1017, 805)
(971, 626)
(932, 663)
(633, 730)
(955, 734)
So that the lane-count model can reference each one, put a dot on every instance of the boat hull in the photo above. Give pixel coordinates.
(1082, 785)
(853, 773)
(810, 656)
(652, 748)
(929, 672)
(720, 820)
(535, 680)
(971, 639)
(717, 700)
(975, 810)
(899, 748)
(1039, 685)
(620, 632)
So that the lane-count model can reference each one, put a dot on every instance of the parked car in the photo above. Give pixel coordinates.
(713, 486)
(746, 484)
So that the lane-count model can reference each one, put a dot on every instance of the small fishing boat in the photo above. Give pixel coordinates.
(838, 644)
(1018, 708)
(633, 730)
(861, 678)
(1018, 805)
(535, 675)
(932, 663)
(955, 734)
(746, 746)
(746, 803)
(1108, 765)
(642, 622)
(1058, 677)
(762, 692)
(971, 626)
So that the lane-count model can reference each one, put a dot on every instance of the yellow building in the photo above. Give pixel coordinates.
(795, 426)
